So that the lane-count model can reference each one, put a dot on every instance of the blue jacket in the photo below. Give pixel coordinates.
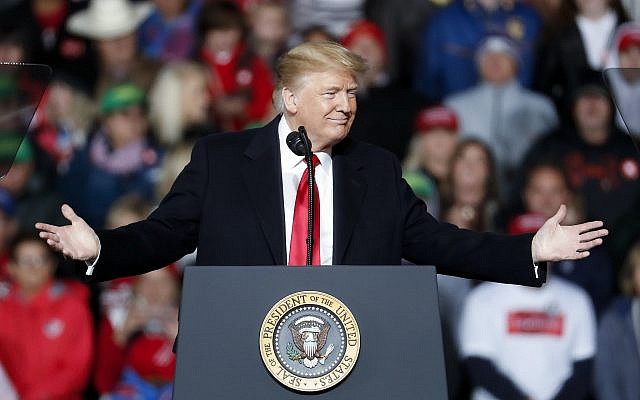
(446, 56)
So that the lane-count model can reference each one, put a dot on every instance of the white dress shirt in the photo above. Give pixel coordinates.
(293, 167)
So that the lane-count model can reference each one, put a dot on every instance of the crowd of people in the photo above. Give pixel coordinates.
(499, 110)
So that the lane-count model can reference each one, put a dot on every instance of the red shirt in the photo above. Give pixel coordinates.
(46, 342)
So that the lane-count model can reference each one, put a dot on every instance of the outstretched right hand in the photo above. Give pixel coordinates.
(77, 241)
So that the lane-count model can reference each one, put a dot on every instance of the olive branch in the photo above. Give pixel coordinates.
(292, 353)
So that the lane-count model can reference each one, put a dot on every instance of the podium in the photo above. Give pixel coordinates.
(224, 308)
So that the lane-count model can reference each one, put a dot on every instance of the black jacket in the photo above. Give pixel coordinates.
(228, 203)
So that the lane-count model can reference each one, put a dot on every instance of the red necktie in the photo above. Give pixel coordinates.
(299, 231)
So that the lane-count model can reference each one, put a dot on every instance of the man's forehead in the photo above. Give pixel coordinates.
(331, 78)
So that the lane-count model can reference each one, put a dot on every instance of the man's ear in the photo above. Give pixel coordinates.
(289, 99)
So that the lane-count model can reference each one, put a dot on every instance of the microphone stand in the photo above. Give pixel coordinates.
(311, 182)
(300, 145)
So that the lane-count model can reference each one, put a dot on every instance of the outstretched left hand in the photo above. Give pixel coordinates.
(555, 242)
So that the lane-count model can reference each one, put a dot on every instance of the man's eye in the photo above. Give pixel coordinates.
(351, 93)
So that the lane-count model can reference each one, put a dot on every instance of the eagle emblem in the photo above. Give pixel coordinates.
(309, 334)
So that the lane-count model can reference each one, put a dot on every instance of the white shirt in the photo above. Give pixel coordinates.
(533, 336)
(293, 167)
(596, 35)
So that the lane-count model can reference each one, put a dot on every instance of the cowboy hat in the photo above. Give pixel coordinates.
(108, 19)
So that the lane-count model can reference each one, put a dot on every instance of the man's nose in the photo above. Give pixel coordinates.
(343, 103)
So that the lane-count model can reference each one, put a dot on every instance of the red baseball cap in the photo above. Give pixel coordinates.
(630, 36)
(365, 27)
(436, 117)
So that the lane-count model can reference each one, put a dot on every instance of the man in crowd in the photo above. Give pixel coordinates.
(599, 159)
(499, 110)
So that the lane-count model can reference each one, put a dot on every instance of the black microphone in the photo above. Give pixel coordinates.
(300, 145)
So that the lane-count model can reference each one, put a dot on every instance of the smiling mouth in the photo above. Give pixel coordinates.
(341, 121)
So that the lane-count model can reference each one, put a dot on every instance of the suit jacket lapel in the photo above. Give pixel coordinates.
(263, 179)
(349, 188)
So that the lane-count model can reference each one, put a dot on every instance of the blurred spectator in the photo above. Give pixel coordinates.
(547, 9)
(335, 16)
(46, 38)
(599, 160)
(242, 84)
(46, 338)
(143, 343)
(61, 126)
(469, 201)
(180, 104)
(385, 112)
(546, 188)
(317, 33)
(111, 25)
(625, 82)
(8, 230)
(34, 201)
(401, 27)
(7, 391)
(426, 168)
(617, 363)
(471, 193)
(579, 51)
(528, 343)
(172, 164)
(168, 33)
(120, 158)
(270, 28)
(115, 298)
(499, 110)
(13, 45)
(632, 8)
(445, 57)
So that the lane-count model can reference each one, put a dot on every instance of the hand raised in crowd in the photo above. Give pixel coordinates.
(555, 242)
(77, 240)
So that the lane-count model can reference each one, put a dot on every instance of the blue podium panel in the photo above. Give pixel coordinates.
(396, 309)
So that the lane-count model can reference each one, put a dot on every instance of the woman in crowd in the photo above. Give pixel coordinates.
(179, 104)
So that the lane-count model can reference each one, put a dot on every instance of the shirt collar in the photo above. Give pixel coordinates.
(288, 159)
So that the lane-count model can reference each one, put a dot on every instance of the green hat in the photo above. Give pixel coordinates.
(121, 96)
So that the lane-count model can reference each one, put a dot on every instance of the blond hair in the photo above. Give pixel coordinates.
(165, 100)
(313, 57)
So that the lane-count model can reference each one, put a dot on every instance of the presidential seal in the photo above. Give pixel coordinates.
(309, 341)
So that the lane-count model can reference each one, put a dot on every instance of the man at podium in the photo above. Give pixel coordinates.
(242, 200)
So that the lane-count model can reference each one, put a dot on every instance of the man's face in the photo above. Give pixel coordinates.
(497, 68)
(591, 112)
(126, 125)
(437, 149)
(270, 25)
(545, 192)
(119, 52)
(325, 103)
(630, 57)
